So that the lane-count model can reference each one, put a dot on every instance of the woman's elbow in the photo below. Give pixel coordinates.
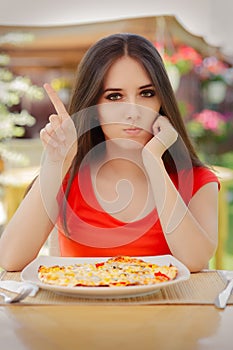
(200, 262)
(11, 262)
(10, 265)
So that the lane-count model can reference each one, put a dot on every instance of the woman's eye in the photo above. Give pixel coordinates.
(148, 93)
(114, 96)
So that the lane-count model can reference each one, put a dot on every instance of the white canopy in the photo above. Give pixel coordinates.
(211, 19)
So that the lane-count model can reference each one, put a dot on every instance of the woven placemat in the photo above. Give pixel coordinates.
(201, 288)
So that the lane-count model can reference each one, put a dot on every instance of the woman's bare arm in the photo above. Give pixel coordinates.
(31, 224)
(35, 217)
(191, 231)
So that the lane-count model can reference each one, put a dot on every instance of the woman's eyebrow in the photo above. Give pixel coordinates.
(112, 89)
(146, 86)
(119, 89)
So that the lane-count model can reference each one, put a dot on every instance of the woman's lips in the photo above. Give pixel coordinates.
(133, 131)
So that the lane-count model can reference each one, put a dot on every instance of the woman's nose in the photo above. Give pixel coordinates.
(132, 111)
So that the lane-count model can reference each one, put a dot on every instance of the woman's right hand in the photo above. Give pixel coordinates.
(164, 136)
(59, 136)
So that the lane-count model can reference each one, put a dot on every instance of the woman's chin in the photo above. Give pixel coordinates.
(128, 144)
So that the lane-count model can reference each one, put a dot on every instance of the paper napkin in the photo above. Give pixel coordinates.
(16, 287)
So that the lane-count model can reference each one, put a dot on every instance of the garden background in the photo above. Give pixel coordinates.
(201, 75)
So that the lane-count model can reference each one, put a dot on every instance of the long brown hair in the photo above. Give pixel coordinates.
(89, 86)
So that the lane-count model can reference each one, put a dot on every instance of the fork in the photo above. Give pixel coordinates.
(17, 298)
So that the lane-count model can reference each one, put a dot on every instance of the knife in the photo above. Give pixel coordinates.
(222, 298)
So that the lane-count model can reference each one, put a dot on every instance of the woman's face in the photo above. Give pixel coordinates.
(129, 104)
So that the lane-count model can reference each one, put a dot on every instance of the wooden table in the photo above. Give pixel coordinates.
(179, 317)
(170, 327)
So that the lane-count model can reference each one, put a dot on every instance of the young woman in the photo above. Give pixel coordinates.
(119, 175)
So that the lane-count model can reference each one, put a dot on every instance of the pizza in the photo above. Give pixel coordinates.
(118, 271)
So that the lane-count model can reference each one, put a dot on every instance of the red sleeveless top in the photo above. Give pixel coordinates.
(95, 233)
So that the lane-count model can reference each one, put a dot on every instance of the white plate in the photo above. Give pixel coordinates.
(30, 274)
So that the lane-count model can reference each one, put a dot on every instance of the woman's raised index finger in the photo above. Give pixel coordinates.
(56, 101)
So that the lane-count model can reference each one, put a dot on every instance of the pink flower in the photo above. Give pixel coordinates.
(210, 120)
(181, 53)
(211, 66)
(186, 53)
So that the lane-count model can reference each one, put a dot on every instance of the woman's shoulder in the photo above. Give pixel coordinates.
(205, 174)
(189, 181)
(202, 175)
(197, 173)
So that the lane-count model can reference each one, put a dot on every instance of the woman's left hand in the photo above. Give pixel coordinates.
(164, 136)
